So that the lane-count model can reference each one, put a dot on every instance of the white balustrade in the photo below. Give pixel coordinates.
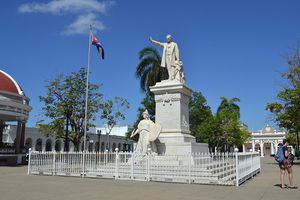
(198, 168)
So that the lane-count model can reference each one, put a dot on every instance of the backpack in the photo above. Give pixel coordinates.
(279, 157)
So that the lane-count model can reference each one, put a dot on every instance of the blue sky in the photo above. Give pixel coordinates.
(229, 48)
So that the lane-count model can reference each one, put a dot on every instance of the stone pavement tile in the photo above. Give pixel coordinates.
(287, 194)
(15, 184)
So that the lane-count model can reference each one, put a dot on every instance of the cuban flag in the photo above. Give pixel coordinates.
(98, 46)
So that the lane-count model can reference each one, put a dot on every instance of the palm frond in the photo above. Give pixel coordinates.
(143, 65)
(148, 69)
(144, 80)
(149, 51)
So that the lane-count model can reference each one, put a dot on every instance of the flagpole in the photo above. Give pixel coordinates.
(86, 102)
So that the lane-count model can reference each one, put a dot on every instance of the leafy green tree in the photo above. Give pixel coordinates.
(112, 113)
(292, 138)
(287, 109)
(201, 118)
(65, 102)
(222, 130)
(231, 133)
(148, 69)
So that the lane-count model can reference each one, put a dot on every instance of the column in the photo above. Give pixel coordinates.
(272, 148)
(23, 135)
(62, 147)
(276, 146)
(261, 149)
(71, 147)
(44, 145)
(33, 145)
(18, 138)
(253, 146)
(53, 145)
(244, 148)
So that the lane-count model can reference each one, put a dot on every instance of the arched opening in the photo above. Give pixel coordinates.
(114, 146)
(57, 145)
(97, 146)
(39, 145)
(257, 147)
(129, 147)
(48, 145)
(124, 147)
(91, 146)
(267, 149)
(28, 143)
(248, 147)
(102, 147)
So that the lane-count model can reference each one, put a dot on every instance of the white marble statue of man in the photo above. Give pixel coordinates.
(148, 132)
(170, 55)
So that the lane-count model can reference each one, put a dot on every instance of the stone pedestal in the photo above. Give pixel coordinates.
(172, 113)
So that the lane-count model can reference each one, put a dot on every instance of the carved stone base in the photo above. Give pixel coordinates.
(172, 106)
(179, 144)
(172, 113)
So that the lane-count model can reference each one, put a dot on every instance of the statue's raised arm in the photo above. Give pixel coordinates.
(156, 42)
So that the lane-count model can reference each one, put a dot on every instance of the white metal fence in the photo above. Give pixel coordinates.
(198, 168)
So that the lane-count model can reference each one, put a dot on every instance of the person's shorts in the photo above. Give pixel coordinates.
(285, 164)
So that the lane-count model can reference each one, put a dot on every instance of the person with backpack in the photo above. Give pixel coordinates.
(285, 165)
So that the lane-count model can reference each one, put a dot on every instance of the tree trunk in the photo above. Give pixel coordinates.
(67, 134)
(107, 142)
(297, 139)
(76, 146)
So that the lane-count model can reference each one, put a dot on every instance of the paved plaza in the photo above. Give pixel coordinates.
(15, 184)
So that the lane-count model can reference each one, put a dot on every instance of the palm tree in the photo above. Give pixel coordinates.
(230, 106)
(149, 70)
(228, 115)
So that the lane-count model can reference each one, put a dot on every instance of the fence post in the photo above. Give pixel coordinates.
(29, 157)
(258, 157)
(116, 169)
(252, 165)
(83, 163)
(190, 163)
(236, 168)
(148, 163)
(106, 156)
(132, 164)
(53, 168)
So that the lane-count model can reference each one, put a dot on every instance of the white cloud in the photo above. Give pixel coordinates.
(81, 25)
(87, 11)
(66, 6)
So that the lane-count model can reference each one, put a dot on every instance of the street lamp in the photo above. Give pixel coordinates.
(99, 135)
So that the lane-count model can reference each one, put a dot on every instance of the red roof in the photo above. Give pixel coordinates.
(8, 84)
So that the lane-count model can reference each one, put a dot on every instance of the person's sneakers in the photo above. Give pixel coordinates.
(283, 187)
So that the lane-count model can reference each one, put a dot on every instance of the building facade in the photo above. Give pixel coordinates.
(38, 142)
(14, 108)
(264, 141)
